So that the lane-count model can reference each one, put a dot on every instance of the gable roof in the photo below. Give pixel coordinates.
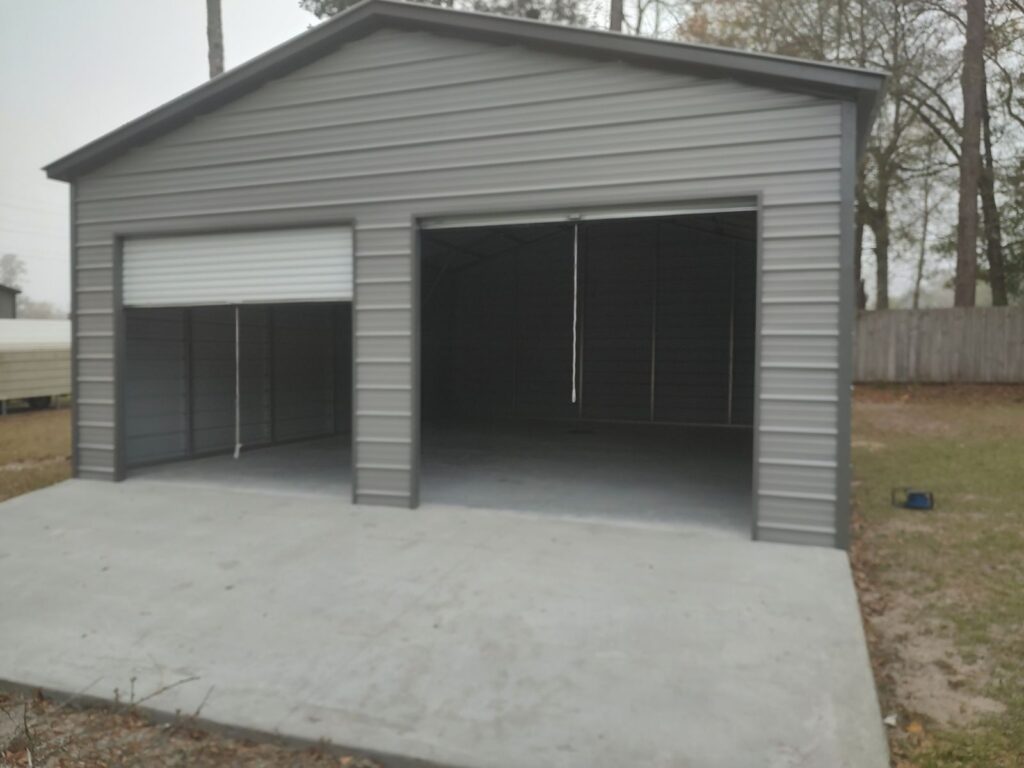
(9, 288)
(862, 86)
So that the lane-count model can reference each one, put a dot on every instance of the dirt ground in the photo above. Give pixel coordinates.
(942, 591)
(35, 731)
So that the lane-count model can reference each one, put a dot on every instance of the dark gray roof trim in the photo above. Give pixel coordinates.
(9, 288)
(859, 85)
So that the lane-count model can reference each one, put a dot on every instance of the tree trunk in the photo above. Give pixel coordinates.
(923, 246)
(615, 20)
(214, 37)
(972, 85)
(990, 209)
(880, 227)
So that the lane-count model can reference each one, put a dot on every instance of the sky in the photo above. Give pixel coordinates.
(72, 70)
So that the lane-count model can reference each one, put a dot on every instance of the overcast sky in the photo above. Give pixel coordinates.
(71, 70)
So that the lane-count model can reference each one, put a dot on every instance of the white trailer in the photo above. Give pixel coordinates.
(35, 361)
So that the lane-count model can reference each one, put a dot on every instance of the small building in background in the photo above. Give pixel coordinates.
(8, 302)
(35, 361)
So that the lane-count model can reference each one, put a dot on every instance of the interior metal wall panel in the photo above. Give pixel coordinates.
(254, 375)
(618, 318)
(544, 313)
(483, 365)
(212, 370)
(156, 386)
(180, 382)
(304, 359)
(692, 353)
(488, 291)
(301, 264)
(385, 154)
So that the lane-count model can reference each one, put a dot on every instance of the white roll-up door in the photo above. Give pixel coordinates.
(312, 264)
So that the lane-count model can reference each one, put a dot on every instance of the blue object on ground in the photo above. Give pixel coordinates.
(908, 498)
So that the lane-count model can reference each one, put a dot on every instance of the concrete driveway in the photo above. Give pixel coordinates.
(460, 636)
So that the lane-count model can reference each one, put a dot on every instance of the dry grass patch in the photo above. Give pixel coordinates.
(35, 449)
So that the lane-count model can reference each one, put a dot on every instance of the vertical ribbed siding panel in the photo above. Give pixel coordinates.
(384, 374)
(799, 364)
(390, 129)
(93, 385)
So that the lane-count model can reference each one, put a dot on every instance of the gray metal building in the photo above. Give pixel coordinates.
(471, 243)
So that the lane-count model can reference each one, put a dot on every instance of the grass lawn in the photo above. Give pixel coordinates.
(942, 592)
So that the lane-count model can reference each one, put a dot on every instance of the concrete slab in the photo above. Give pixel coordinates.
(697, 477)
(692, 476)
(464, 637)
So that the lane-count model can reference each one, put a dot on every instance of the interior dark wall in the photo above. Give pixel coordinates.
(304, 363)
(619, 276)
(668, 298)
(156, 385)
(212, 374)
(295, 377)
(497, 332)
(703, 279)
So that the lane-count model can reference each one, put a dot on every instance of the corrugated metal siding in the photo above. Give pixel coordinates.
(413, 138)
(180, 378)
(301, 264)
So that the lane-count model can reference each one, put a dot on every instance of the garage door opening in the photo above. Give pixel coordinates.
(280, 393)
(592, 368)
(234, 342)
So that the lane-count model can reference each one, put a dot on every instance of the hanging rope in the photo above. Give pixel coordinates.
(238, 388)
(575, 300)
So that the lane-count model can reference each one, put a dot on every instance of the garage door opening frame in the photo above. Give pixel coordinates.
(221, 225)
(750, 202)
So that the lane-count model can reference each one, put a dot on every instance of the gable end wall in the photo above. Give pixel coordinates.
(402, 125)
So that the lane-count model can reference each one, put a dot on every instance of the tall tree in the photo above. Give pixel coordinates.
(993, 229)
(12, 269)
(885, 34)
(214, 37)
(972, 86)
(615, 17)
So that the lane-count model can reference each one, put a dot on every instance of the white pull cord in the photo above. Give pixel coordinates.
(238, 389)
(575, 299)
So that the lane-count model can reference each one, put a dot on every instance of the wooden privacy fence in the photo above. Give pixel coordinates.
(970, 344)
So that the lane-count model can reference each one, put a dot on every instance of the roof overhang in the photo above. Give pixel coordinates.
(864, 87)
